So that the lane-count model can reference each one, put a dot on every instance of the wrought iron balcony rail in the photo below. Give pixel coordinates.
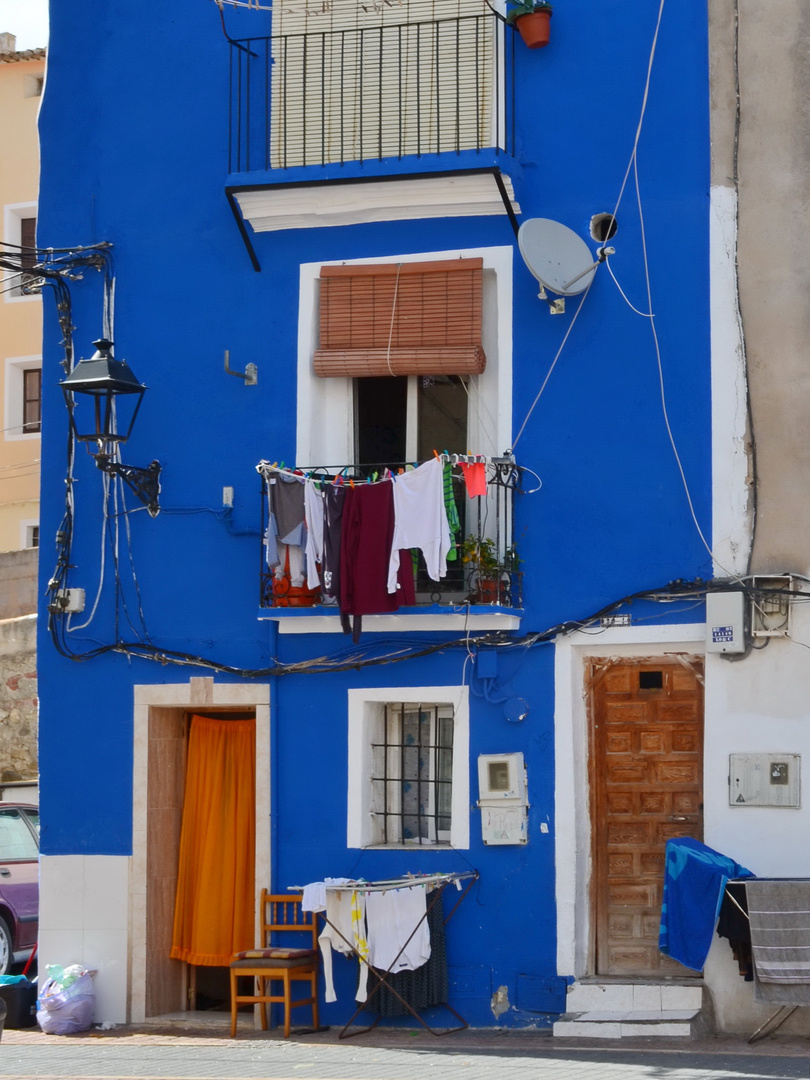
(381, 92)
(484, 567)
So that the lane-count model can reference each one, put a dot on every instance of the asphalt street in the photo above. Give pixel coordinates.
(127, 1054)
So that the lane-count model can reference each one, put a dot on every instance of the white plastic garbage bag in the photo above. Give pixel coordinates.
(66, 1002)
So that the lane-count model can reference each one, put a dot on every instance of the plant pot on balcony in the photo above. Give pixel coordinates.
(533, 23)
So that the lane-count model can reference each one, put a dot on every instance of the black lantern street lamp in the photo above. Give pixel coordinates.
(107, 381)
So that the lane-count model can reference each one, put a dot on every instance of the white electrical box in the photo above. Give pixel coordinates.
(502, 798)
(501, 777)
(725, 622)
(764, 780)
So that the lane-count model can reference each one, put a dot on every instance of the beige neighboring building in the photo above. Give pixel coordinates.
(21, 79)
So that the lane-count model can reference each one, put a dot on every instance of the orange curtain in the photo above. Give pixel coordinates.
(214, 905)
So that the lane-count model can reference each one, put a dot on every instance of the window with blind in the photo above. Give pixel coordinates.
(354, 81)
(401, 319)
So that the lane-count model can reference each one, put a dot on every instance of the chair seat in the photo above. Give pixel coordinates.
(274, 964)
(275, 952)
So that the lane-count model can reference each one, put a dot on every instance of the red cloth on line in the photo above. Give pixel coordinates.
(475, 477)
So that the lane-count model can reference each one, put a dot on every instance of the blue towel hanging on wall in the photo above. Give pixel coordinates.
(694, 879)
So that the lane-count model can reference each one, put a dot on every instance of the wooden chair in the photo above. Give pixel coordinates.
(271, 962)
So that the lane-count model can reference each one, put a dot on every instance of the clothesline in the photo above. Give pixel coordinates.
(408, 881)
(337, 474)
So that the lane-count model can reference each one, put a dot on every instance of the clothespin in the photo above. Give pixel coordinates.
(351, 482)
(436, 454)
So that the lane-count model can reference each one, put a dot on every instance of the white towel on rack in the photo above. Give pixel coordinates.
(391, 918)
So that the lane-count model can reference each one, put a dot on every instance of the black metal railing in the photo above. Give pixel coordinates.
(484, 567)
(392, 91)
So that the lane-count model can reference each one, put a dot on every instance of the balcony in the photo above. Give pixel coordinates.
(483, 586)
(405, 90)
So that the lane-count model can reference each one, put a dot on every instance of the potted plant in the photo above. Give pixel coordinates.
(480, 557)
(532, 19)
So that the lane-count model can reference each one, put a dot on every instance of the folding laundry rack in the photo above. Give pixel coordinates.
(776, 1019)
(435, 883)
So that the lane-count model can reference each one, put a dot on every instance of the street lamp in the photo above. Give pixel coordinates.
(116, 395)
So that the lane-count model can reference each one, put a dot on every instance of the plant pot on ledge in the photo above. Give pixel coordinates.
(532, 21)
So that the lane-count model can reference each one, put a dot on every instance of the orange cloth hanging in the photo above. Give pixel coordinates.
(214, 904)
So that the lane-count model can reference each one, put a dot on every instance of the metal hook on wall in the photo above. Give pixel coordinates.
(250, 375)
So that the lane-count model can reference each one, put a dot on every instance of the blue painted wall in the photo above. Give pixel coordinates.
(134, 140)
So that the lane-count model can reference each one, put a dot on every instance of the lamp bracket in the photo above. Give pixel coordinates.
(145, 483)
(250, 374)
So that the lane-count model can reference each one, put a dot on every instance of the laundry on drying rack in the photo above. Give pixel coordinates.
(420, 520)
(390, 919)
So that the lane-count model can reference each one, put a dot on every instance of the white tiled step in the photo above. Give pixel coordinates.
(624, 997)
(618, 1024)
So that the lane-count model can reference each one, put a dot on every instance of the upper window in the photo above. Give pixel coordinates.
(432, 352)
(32, 400)
(20, 228)
(23, 397)
(356, 81)
(408, 767)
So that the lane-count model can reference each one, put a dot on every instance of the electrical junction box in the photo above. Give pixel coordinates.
(764, 780)
(725, 622)
(503, 798)
(770, 605)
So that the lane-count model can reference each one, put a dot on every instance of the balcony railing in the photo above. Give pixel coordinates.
(485, 569)
(379, 92)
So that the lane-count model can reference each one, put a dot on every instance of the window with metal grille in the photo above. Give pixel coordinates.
(32, 400)
(412, 773)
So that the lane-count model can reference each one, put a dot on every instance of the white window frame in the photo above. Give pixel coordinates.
(325, 407)
(13, 214)
(27, 526)
(14, 397)
(365, 709)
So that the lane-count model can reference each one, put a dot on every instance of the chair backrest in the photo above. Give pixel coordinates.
(283, 914)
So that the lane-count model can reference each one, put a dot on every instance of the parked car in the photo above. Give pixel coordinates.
(19, 882)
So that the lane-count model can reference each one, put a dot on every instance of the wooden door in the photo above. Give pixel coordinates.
(646, 787)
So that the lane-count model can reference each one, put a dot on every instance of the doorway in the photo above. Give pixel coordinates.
(159, 985)
(646, 775)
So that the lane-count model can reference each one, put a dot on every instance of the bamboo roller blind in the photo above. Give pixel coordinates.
(430, 312)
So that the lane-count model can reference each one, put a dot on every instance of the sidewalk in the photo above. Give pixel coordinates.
(208, 1053)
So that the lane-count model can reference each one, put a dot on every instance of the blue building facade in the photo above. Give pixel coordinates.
(163, 137)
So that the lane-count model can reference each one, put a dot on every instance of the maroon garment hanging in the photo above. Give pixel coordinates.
(365, 549)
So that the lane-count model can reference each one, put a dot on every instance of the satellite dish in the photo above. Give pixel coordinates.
(560, 260)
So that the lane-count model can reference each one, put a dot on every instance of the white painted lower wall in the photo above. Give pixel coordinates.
(84, 919)
(758, 704)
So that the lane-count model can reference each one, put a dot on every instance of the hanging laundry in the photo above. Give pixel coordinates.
(422, 988)
(286, 493)
(420, 520)
(345, 912)
(475, 477)
(780, 940)
(365, 547)
(333, 518)
(314, 517)
(451, 509)
(695, 877)
(391, 917)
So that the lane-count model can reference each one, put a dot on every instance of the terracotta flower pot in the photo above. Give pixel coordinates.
(535, 28)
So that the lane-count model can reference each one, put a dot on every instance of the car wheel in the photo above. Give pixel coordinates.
(6, 948)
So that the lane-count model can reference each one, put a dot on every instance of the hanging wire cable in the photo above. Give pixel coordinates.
(639, 127)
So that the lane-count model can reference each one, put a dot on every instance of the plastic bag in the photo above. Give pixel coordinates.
(67, 1001)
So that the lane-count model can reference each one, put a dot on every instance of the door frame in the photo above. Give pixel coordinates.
(197, 694)
(572, 813)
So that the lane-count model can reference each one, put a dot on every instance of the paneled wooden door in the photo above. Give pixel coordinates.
(646, 787)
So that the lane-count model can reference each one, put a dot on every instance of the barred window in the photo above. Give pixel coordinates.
(412, 773)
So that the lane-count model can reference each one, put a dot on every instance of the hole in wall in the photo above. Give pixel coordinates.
(603, 227)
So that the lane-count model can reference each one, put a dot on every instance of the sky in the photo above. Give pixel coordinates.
(28, 19)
